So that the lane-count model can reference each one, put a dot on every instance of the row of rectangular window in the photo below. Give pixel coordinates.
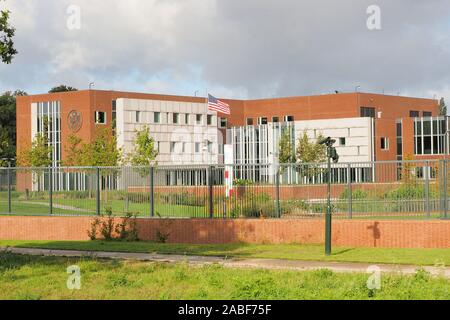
(176, 118)
(369, 112)
(265, 120)
(183, 149)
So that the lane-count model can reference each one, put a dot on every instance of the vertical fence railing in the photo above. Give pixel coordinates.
(50, 190)
(98, 192)
(9, 190)
(350, 192)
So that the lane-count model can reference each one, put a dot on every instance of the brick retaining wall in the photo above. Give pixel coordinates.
(347, 233)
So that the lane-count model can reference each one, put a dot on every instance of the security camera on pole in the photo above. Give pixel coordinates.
(331, 155)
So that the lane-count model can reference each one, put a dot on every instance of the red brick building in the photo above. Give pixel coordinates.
(387, 112)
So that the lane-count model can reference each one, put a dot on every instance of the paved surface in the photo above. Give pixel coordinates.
(234, 262)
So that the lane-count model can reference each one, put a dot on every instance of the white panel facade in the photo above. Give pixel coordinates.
(178, 143)
(357, 133)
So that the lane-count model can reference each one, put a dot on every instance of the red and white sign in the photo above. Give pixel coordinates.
(228, 160)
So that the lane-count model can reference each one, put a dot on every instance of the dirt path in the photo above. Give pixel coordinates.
(236, 263)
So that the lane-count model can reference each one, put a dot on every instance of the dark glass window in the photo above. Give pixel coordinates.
(384, 143)
(414, 114)
(427, 145)
(427, 114)
(399, 147)
(367, 112)
(275, 119)
(289, 118)
(426, 127)
(249, 121)
(342, 141)
(418, 144)
(399, 129)
(100, 117)
(263, 121)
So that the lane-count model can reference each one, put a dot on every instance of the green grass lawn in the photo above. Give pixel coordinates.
(32, 277)
(88, 207)
(240, 250)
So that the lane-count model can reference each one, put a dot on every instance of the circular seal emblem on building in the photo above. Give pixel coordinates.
(74, 120)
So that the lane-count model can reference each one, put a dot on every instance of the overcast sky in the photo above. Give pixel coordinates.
(235, 48)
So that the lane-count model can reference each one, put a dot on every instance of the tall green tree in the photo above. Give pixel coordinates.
(38, 155)
(102, 151)
(144, 149)
(310, 154)
(286, 149)
(7, 50)
(73, 156)
(8, 124)
(62, 88)
(442, 107)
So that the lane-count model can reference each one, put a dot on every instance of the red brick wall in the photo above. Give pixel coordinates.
(349, 233)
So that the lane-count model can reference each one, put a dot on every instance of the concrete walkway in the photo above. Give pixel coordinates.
(235, 262)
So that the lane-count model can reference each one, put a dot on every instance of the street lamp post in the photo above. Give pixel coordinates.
(331, 155)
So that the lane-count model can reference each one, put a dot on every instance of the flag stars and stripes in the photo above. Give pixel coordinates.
(215, 104)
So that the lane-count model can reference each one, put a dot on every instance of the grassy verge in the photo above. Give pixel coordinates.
(40, 207)
(27, 277)
(240, 250)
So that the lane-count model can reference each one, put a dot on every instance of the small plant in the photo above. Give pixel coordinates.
(107, 225)
(242, 182)
(127, 229)
(92, 232)
(163, 232)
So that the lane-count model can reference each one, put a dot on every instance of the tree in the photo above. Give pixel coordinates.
(102, 151)
(144, 149)
(62, 88)
(8, 124)
(286, 150)
(73, 151)
(39, 155)
(310, 154)
(7, 50)
(442, 107)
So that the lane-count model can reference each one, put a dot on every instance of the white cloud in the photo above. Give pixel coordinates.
(245, 48)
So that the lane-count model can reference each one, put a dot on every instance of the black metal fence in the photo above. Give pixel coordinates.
(382, 190)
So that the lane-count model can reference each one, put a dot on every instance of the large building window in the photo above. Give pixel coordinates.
(209, 119)
(367, 112)
(430, 135)
(262, 120)
(249, 121)
(198, 119)
(427, 114)
(48, 123)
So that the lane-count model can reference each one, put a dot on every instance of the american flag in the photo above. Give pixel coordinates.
(216, 105)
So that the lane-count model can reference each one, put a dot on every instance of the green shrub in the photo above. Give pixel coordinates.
(254, 205)
(357, 194)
